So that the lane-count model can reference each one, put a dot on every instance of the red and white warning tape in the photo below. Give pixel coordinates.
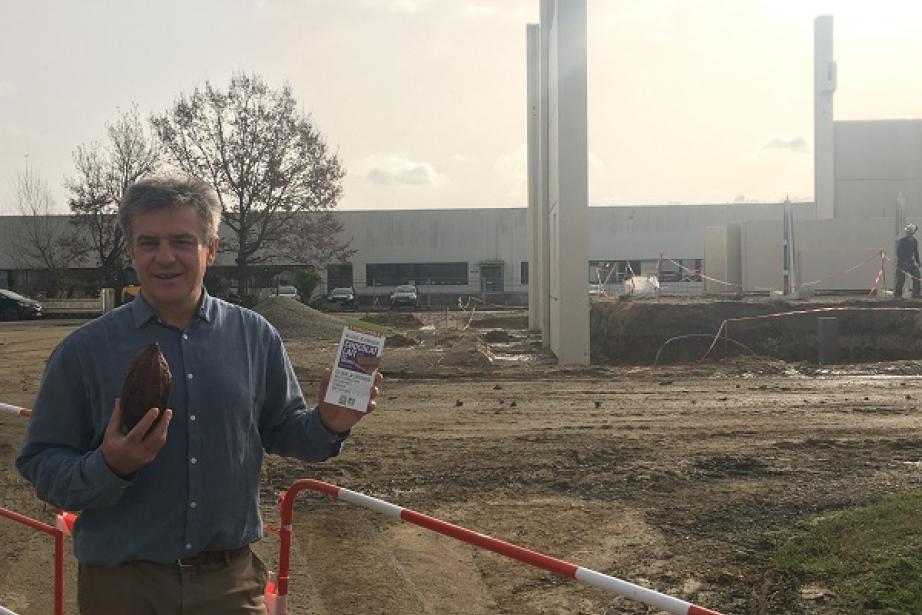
(11, 409)
(874, 289)
(724, 326)
(873, 257)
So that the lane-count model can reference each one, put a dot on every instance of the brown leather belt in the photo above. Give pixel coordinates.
(214, 557)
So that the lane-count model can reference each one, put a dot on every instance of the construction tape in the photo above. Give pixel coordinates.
(873, 257)
(812, 283)
(702, 276)
(724, 326)
(876, 281)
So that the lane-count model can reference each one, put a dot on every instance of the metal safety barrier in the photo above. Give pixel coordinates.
(277, 591)
(58, 535)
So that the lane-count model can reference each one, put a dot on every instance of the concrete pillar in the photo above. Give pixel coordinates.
(547, 9)
(559, 302)
(568, 201)
(536, 288)
(824, 87)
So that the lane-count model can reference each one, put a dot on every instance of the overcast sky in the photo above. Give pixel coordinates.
(424, 100)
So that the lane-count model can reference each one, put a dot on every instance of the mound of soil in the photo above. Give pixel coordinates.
(635, 331)
(293, 319)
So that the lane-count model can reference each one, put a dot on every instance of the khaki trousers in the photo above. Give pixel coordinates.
(233, 587)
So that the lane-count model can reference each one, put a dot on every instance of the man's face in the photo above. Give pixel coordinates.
(170, 256)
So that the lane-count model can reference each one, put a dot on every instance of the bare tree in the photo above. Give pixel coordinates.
(276, 178)
(104, 173)
(40, 240)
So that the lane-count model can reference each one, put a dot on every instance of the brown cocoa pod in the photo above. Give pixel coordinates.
(147, 385)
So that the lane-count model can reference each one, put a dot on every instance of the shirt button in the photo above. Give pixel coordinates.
(193, 460)
(191, 417)
(189, 376)
(192, 504)
(188, 546)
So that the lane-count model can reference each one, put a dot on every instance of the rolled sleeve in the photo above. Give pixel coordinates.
(288, 428)
(58, 455)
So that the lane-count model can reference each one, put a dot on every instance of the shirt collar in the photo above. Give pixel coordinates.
(142, 312)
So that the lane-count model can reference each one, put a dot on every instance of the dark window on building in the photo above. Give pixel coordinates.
(523, 273)
(491, 278)
(669, 270)
(436, 274)
(339, 276)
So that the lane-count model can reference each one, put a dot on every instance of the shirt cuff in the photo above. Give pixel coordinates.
(333, 435)
(100, 475)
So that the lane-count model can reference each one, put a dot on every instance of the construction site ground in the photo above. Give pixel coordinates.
(682, 477)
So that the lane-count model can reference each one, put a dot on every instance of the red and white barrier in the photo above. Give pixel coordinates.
(277, 591)
(64, 521)
(58, 536)
(11, 409)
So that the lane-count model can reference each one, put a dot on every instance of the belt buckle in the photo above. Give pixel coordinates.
(200, 559)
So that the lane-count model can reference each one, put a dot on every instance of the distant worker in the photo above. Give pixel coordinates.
(907, 262)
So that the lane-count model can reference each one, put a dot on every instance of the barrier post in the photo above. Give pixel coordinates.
(58, 536)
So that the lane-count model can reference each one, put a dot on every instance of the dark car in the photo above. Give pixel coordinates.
(344, 298)
(14, 306)
(404, 296)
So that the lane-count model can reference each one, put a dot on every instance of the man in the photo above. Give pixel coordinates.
(167, 516)
(907, 262)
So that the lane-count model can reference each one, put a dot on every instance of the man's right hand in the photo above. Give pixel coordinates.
(127, 453)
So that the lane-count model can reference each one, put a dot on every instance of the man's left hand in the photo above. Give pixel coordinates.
(337, 418)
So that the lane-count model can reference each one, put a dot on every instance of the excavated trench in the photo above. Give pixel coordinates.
(682, 331)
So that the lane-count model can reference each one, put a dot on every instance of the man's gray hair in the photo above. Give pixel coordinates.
(162, 192)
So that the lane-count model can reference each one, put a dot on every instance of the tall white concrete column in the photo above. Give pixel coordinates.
(537, 304)
(546, 11)
(824, 80)
(559, 186)
(568, 184)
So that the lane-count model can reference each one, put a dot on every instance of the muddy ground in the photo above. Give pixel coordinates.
(681, 478)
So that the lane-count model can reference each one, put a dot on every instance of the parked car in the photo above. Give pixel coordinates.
(287, 291)
(404, 296)
(14, 306)
(344, 298)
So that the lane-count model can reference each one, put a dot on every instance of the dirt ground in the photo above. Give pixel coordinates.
(681, 478)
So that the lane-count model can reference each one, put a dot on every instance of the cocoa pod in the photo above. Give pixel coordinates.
(147, 385)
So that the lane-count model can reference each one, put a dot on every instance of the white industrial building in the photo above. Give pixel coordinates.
(868, 185)
(484, 252)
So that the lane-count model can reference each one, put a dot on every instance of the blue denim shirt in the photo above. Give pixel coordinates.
(234, 394)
